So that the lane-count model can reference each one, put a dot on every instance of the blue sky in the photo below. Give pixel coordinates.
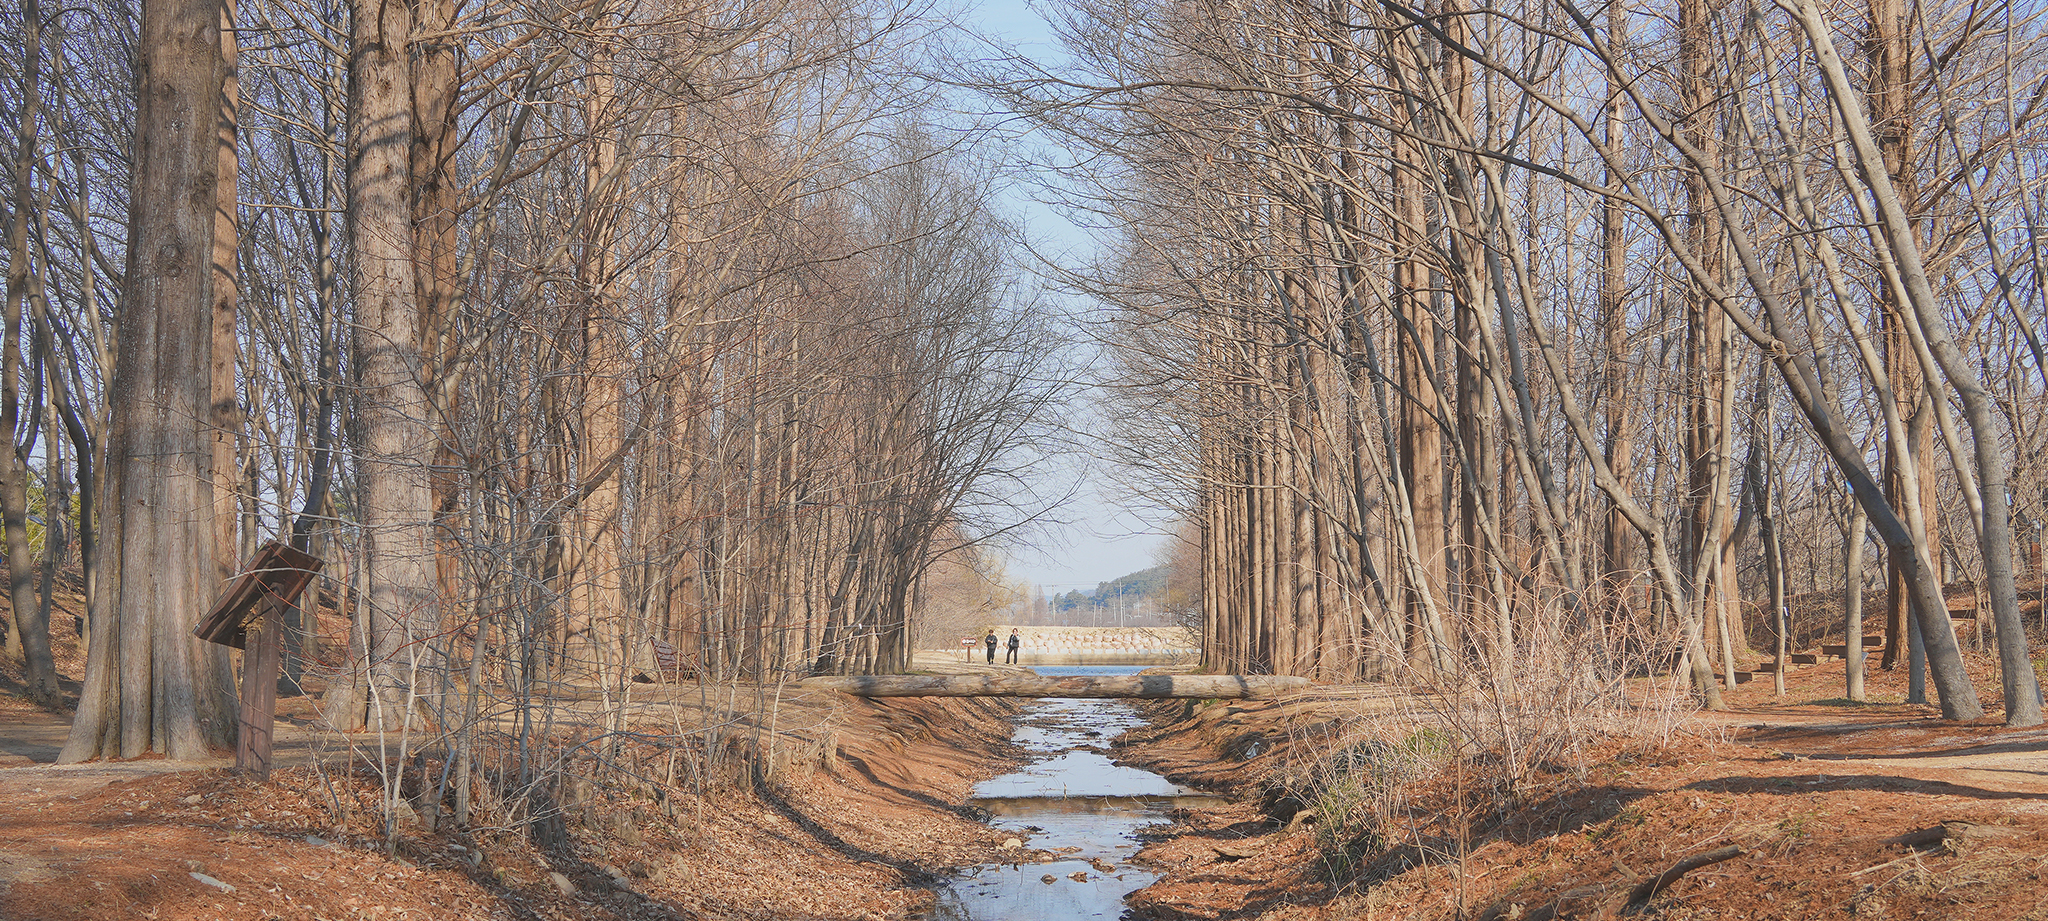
(1106, 536)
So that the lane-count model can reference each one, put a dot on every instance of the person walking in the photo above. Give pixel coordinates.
(1016, 642)
(990, 639)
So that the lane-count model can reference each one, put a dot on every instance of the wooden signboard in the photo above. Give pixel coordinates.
(254, 605)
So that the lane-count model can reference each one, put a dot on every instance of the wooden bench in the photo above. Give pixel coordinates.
(1841, 650)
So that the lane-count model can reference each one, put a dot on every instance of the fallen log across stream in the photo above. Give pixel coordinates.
(1139, 686)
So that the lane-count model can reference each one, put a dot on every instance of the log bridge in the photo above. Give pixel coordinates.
(1154, 687)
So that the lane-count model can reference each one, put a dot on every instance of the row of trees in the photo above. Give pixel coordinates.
(1128, 600)
(555, 328)
(1456, 328)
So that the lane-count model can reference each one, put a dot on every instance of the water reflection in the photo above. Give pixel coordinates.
(1072, 801)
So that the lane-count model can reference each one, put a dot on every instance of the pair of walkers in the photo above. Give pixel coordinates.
(1016, 643)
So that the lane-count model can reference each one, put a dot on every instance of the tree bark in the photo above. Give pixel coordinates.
(1709, 380)
(1888, 48)
(30, 639)
(392, 425)
(225, 410)
(150, 685)
(2020, 684)
(1852, 602)
(1617, 549)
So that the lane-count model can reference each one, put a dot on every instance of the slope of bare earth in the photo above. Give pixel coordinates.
(1831, 809)
(718, 801)
(856, 834)
(732, 802)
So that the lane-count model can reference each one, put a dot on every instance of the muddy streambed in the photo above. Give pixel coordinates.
(1072, 801)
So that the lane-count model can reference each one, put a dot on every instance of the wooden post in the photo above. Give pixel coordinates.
(259, 692)
(250, 616)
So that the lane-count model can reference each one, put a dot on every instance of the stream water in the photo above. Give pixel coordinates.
(1071, 800)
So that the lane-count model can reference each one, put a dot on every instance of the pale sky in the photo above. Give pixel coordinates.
(1108, 537)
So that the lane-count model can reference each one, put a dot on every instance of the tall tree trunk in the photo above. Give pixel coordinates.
(1709, 377)
(436, 82)
(597, 598)
(1852, 601)
(1887, 45)
(150, 685)
(393, 428)
(1617, 546)
(30, 638)
(226, 407)
(1420, 437)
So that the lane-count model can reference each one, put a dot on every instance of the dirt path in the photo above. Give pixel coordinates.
(1983, 755)
(29, 743)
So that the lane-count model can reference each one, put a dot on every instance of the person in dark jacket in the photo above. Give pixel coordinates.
(990, 639)
(1016, 642)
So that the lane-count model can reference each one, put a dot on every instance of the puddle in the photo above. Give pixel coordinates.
(1070, 800)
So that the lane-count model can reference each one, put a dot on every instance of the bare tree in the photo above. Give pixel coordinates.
(150, 684)
(30, 637)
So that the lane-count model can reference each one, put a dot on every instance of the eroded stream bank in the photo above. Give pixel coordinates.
(1071, 802)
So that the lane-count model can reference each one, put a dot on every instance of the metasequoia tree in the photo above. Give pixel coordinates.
(150, 685)
(29, 636)
(1617, 551)
(78, 69)
(1709, 381)
(391, 424)
(1888, 92)
(564, 333)
(680, 384)
(1366, 184)
(224, 409)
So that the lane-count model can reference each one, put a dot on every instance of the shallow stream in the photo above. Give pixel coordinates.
(1069, 800)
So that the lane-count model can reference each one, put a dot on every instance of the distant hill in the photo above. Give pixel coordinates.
(1127, 601)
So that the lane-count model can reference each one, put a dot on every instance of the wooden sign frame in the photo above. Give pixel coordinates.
(255, 604)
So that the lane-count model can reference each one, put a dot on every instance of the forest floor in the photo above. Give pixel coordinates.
(859, 833)
(827, 807)
(1877, 810)
(718, 801)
